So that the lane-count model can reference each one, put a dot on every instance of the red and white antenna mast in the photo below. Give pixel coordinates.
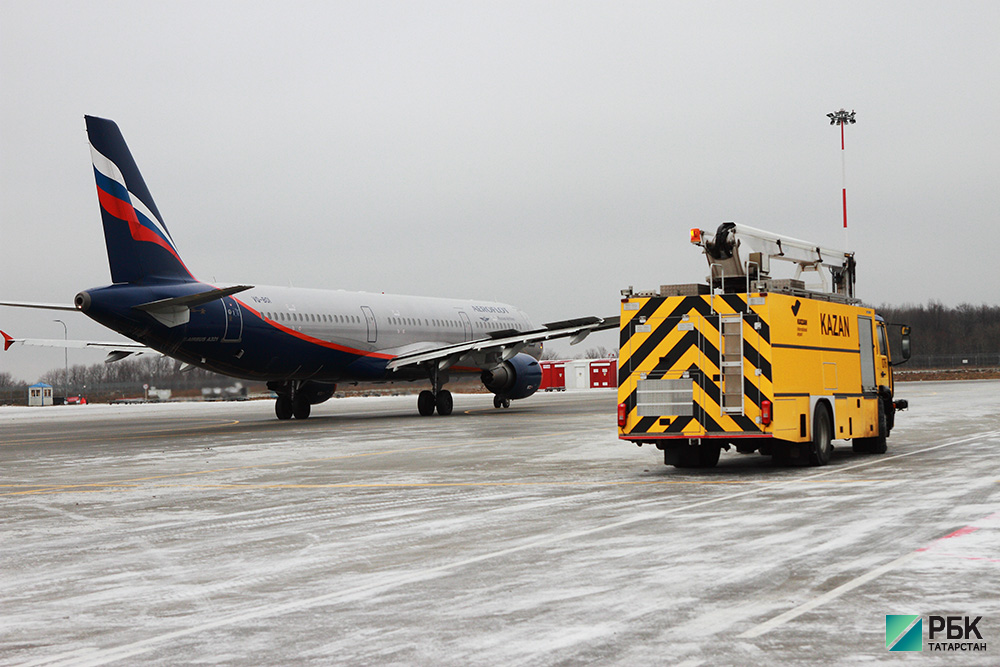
(842, 118)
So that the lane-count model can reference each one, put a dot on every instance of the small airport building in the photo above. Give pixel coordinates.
(40, 394)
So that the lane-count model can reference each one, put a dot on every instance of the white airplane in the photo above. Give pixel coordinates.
(302, 342)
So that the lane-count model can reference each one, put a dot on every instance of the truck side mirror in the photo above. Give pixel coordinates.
(904, 343)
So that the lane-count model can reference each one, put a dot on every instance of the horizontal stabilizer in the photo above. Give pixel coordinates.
(176, 311)
(44, 306)
(190, 300)
(127, 348)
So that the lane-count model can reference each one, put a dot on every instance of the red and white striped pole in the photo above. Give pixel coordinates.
(842, 118)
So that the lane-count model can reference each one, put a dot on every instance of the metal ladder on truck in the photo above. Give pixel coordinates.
(728, 270)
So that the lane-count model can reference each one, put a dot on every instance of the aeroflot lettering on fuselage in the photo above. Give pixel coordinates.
(834, 325)
(489, 309)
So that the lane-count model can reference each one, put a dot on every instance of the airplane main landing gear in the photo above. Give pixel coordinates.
(427, 401)
(301, 407)
(295, 398)
(500, 401)
(445, 403)
(283, 407)
(286, 407)
(436, 397)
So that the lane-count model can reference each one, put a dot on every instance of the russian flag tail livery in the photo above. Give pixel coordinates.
(139, 246)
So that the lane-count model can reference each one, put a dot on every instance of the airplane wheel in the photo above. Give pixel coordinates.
(445, 403)
(500, 401)
(425, 403)
(301, 409)
(283, 407)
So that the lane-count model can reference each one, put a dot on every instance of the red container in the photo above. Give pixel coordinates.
(553, 375)
(603, 373)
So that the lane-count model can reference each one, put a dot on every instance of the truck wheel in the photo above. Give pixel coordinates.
(698, 456)
(878, 444)
(708, 455)
(875, 444)
(819, 452)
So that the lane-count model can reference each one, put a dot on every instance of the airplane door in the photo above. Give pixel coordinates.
(372, 325)
(234, 321)
(466, 324)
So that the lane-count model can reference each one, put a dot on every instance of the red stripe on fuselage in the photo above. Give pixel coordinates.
(315, 341)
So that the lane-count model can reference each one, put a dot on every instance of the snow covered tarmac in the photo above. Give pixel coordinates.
(368, 535)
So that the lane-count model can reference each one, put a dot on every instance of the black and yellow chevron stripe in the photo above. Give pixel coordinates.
(679, 338)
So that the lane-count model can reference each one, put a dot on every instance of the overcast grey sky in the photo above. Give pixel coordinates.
(546, 154)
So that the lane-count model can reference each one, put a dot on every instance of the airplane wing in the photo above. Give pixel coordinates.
(116, 351)
(505, 344)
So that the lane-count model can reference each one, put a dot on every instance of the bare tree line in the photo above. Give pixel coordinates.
(940, 331)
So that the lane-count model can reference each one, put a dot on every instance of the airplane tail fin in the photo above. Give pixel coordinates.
(140, 248)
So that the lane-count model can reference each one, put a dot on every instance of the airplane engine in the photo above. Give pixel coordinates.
(517, 378)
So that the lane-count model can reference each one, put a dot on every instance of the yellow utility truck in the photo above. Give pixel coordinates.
(755, 362)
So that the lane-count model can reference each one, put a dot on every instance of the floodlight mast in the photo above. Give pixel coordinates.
(842, 118)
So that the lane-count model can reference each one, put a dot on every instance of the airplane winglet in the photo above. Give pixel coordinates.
(7, 341)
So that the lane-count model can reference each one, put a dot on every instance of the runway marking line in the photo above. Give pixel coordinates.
(367, 591)
(833, 594)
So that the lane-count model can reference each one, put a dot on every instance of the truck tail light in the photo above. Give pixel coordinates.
(765, 412)
(622, 415)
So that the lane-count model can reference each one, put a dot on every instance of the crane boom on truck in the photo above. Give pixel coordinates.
(753, 362)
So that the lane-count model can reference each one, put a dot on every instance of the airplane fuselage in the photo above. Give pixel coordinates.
(286, 333)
